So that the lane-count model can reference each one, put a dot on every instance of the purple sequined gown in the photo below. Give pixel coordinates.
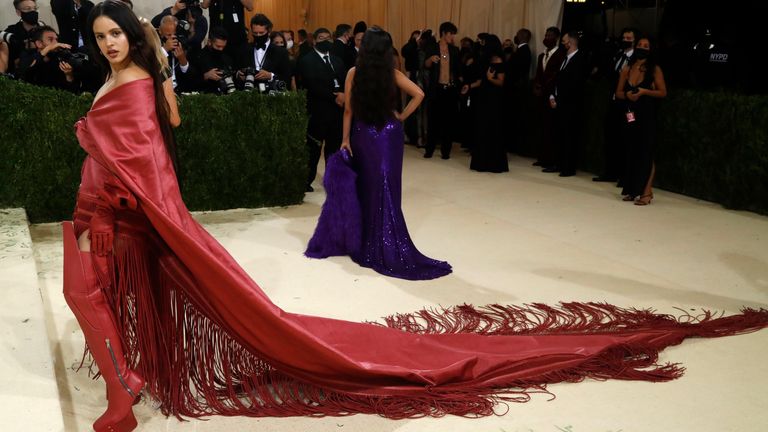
(384, 243)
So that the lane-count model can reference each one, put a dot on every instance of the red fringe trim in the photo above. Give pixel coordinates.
(195, 368)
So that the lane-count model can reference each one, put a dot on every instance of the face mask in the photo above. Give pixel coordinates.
(516, 40)
(324, 46)
(641, 53)
(30, 17)
(289, 44)
(626, 44)
(549, 43)
(260, 40)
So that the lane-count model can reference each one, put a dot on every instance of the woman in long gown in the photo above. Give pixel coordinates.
(374, 139)
(489, 153)
(164, 308)
(641, 84)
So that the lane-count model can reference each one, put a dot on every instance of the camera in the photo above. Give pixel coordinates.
(269, 87)
(250, 77)
(227, 82)
(75, 59)
(7, 37)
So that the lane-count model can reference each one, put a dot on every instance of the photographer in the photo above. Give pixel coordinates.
(16, 36)
(264, 66)
(217, 64)
(230, 14)
(72, 18)
(48, 64)
(189, 11)
(182, 72)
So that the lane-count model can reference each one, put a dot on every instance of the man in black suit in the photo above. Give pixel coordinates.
(342, 46)
(517, 89)
(568, 102)
(184, 75)
(72, 17)
(444, 64)
(230, 14)
(322, 74)
(547, 65)
(305, 45)
(271, 63)
(615, 154)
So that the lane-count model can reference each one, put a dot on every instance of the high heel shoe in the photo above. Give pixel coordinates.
(640, 201)
(628, 198)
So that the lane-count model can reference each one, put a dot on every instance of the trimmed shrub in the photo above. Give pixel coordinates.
(242, 150)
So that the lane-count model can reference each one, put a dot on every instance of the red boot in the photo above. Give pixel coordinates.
(84, 296)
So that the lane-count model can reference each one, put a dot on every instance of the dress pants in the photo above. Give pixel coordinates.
(325, 134)
(443, 112)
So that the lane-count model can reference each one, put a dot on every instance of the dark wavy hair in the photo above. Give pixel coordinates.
(649, 67)
(142, 53)
(374, 88)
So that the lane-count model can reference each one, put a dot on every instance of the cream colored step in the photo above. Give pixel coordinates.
(29, 396)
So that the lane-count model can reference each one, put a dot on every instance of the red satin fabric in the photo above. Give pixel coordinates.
(365, 362)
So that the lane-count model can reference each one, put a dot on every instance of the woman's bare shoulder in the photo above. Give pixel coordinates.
(132, 73)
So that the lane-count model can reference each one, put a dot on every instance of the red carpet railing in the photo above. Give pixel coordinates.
(242, 150)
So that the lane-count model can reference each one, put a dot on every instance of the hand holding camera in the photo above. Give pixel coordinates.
(54, 47)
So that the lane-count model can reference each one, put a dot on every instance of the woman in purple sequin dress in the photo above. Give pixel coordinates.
(362, 216)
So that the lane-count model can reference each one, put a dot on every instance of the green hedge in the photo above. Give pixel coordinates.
(242, 150)
(247, 150)
(711, 145)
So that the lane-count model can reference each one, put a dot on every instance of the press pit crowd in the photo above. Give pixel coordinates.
(477, 92)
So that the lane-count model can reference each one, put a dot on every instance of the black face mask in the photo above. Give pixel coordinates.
(324, 46)
(261, 40)
(641, 53)
(30, 17)
(516, 40)
(549, 43)
(626, 44)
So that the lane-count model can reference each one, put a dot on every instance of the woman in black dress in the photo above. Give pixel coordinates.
(489, 153)
(640, 84)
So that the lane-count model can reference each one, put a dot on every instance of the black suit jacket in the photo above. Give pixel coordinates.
(570, 81)
(519, 66)
(71, 23)
(348, 54)
(434, 68)
(318, 79)
(276, 60)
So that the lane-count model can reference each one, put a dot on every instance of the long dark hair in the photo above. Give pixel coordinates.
(649, 67)
(374, 89)
(142, 53)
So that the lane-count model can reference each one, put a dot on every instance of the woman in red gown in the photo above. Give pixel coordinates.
(165, 309)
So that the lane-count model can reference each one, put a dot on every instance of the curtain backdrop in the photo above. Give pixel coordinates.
(399, 17)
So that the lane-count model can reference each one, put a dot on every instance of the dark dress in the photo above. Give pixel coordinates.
(469, 74)
(489, 153)
(384, 244)
(640, 139)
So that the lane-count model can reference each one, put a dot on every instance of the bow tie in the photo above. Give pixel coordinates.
(261, 46)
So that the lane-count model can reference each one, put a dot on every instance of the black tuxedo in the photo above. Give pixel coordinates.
(569, 95)
(516, 94)
(71, 22)
(275, 60)
(185, 81)
(347, 53)
(325, 117)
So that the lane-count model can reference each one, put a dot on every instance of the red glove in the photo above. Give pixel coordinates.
(113, 196)
(102, 230)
